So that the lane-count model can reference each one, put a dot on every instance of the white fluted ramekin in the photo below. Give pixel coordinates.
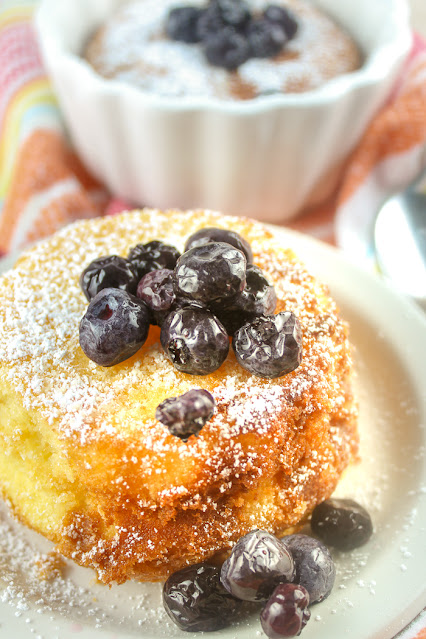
(265, 158)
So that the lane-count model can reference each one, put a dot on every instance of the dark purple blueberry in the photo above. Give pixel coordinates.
(257, 298)
(179, 303)
(257, 563)
(209, 23)
(214, 271)
(234, 13)
(153, 256)
(270, 345)
(227, 48)
(194, 340)
(341, 523)
(186, 415)
(278, 14)
(156, 290)
(286, 613)
(181, 24)
(220, 14)
(111, 271)
(196, 601)
(266, 39)
(314, 565)
(213, 234)
(114, 327)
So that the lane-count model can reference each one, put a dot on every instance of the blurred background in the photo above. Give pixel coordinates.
(418, 8)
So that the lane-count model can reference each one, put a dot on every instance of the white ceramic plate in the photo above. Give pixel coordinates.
(380, 587)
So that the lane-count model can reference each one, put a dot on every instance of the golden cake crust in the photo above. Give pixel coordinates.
(85, 462)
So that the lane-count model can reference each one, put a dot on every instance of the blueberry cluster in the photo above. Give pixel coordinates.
(230, 33)
(285, 576)
(116, 323)
(199, 299)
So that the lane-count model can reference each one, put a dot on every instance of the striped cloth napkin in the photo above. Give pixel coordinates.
(44, 186)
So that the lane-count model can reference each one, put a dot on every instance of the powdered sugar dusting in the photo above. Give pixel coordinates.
(103, 419)
(39, 337)
(250, 405)
(39, 586)
(133, 48)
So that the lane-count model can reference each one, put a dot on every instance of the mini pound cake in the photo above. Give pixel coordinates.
(85, 459)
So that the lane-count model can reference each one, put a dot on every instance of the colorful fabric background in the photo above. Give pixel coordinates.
(43, 185)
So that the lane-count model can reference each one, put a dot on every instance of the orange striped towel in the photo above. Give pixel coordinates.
(43, 185)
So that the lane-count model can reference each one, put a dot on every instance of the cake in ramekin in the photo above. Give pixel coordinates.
(85, 461)
(267, 158)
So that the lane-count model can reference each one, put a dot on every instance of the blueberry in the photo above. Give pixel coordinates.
(114, 327)
(156, 290)
(153, 256)
(223, 13)
(341, 523)
(181, 24)
(280, 15)
(234, 13)
(186, 415)
(111, 271)
(196, 601)
(270, 345)
(314, 565)
(179, 304)
(213, 234)
(227, 48)
(286, 613)
(209, 22)
(266, 39)
(214, 271)
(194, 340)
(257, 563)
(257, 298)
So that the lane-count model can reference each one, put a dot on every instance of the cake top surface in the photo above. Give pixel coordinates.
(132, 47)
(40, 357)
